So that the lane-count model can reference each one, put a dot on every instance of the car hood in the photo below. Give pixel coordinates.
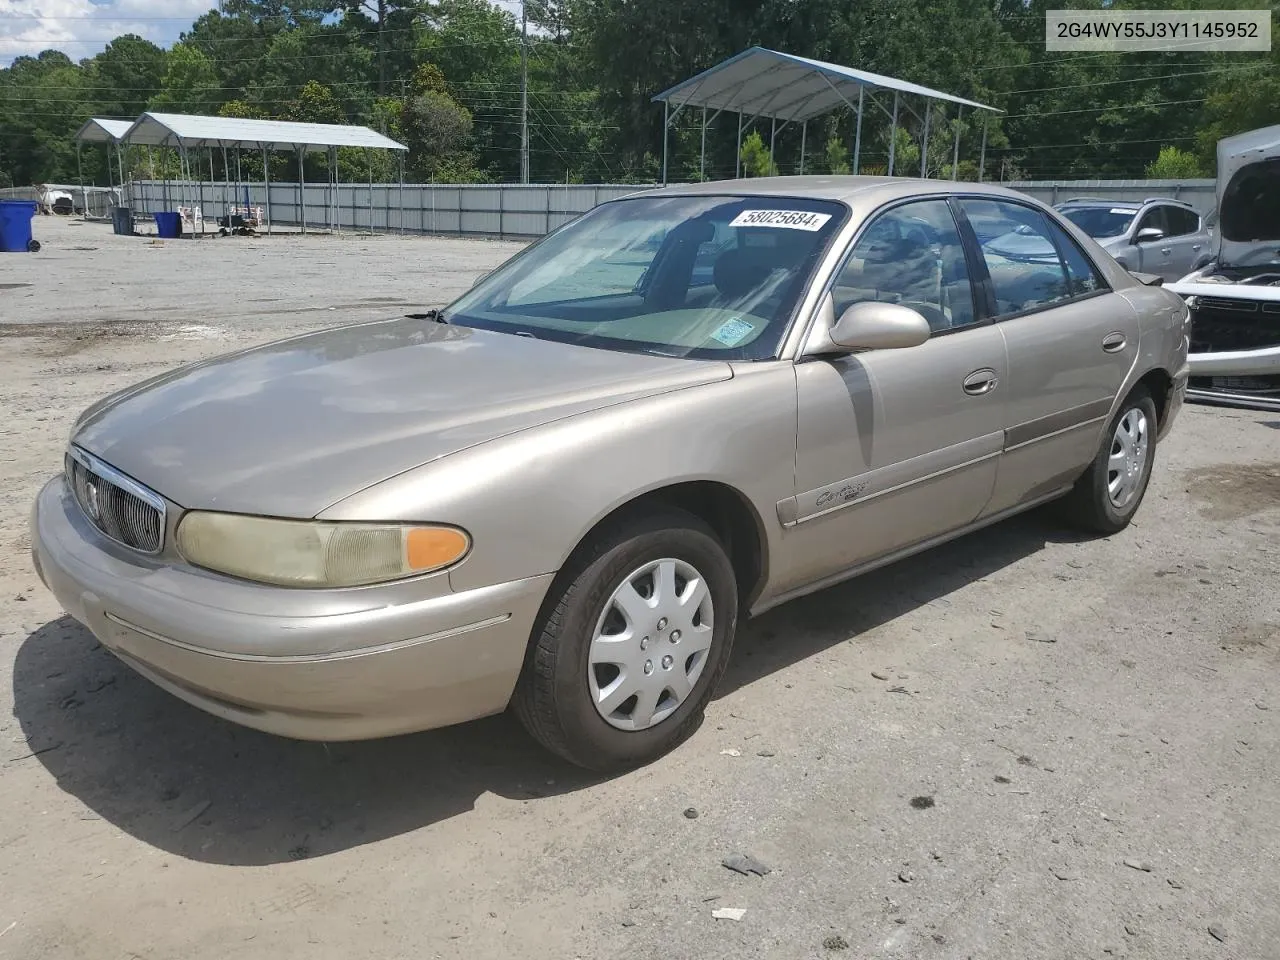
(1248, 190)
(290, 428)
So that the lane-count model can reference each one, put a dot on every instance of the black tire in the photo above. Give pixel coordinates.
(553, 698)
(1088, 505)
(33, 246)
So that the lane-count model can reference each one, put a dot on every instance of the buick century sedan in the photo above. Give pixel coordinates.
(560, 493)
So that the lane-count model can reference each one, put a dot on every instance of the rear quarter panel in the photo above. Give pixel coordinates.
(1164, 325)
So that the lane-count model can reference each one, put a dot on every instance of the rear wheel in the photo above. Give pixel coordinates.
(631, 643)
(1108, 494)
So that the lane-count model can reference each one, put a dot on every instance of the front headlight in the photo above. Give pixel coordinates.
(308, 553)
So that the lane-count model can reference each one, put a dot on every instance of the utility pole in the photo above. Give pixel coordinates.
(524, 94)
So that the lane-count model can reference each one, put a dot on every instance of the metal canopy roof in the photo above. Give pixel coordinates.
(766, 83)
(175, 129)
(99, 130)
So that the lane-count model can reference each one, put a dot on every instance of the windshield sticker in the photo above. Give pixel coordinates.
(732, 332)
(786, 219)
(1114, 210)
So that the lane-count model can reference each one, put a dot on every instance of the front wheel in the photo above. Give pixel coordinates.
(631, 643)
(1108, 494)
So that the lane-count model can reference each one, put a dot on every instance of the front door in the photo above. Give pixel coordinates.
(896, 447)
(1154, 256)
(1071, 343)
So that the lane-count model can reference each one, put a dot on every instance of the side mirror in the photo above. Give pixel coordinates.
(1148, 234)
(872, 325)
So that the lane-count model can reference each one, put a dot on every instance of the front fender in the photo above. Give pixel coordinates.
(529, 499)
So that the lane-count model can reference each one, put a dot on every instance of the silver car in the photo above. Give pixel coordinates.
(561, 492)
(1159, 236)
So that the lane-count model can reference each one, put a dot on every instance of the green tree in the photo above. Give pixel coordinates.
(1174, 164)
(836, 155)
(190, 84)
(757, 161)
(126, 75)
(315, 103)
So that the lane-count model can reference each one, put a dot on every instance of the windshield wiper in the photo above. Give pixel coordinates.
(434, 313)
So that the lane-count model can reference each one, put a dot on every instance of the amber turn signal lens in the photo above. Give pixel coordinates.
(428, 548)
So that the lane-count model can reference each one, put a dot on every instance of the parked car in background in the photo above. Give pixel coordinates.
(560, 492)
(1235, 299)
(1159, 236)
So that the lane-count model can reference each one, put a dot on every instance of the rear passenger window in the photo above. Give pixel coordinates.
(1181, 221)
(1026, 271)
(1082, 277)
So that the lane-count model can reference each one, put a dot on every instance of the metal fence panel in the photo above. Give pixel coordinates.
(516, 210)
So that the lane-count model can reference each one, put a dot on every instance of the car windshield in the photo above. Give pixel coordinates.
(1100, 222)
(692, 276)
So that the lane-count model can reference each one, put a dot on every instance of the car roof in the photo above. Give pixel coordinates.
(832, 187)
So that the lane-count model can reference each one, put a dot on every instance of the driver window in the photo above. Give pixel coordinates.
(910, 255)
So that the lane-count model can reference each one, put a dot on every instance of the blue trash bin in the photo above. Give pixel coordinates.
(169, 224)
(15, 226)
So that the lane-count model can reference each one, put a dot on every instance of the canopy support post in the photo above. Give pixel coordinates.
(266, 189)
(955, 150)
(369, 154)
(924, 141)
(773, 138)
(737, 157)
(302, 189)
(84, 196)
(804, 136)
(857, 131)
(893, 132)
(226, 176)
(400, 157)
(982, 157)
(702, 157)
(666, 129)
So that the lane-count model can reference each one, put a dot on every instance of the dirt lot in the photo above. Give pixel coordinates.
(1074, 753)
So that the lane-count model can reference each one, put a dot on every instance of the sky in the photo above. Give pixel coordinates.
(81, 28)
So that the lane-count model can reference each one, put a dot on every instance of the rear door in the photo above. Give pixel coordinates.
(1070, 342)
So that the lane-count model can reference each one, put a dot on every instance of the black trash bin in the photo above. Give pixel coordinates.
(122, 221)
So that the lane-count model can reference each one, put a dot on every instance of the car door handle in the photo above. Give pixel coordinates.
(1165, 250)
(980, 382)
(1196, 246)
(1113, 342)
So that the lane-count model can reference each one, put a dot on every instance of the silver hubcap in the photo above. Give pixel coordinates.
(1128, 459)
(650, 644)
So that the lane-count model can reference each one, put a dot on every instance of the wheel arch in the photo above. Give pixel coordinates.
(722, 507)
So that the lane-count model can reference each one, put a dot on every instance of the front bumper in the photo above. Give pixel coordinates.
(315, 665)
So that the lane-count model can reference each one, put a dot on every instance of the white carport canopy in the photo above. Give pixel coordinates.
(789, 89)
(177, 129)
(99, 130)
(185, 133)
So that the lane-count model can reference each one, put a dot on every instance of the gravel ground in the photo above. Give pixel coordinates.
(1021, 745)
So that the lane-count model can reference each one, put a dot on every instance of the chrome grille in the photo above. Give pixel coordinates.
(123, 510)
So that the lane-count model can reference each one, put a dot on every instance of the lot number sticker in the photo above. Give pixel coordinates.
(786, 219)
